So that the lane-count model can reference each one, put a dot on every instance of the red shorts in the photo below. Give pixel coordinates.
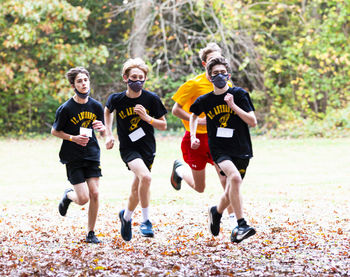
(197, 159)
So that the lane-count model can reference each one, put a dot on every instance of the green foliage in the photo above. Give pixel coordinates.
(335, 124)
(165, 86)
(40, 41)
(112, 30)
(293, 56)
(305, 57)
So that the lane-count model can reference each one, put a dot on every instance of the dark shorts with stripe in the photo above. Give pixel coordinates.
(240, 164)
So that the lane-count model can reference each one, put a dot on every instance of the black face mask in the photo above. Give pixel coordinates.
(220, 80)
(81, 95)
(135, 85)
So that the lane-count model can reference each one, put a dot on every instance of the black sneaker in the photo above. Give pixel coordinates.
(125, 229)
(91, 238)
(175, 179)
(214, 221)
(242, 232)
(146, 229)
(64, 204)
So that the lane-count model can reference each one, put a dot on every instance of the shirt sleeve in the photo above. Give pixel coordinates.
(110, 103)
(159, 109)
(60, 120)
(196, 107)
(99, 113)
(244, 101)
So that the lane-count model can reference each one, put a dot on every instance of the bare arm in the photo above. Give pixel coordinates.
(193, 129)
(159, 123)
(247, 117)
(109, 122)
(81, 140)
(179, 112)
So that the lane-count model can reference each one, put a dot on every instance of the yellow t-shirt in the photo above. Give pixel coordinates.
(189, 92)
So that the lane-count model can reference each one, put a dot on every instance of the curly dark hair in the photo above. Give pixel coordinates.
(216, 61)
(73, 72)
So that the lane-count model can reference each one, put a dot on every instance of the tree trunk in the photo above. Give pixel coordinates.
(140, 27)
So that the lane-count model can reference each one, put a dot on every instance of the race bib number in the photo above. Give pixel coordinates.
(224, 132)
(85, 132)
(137, 134)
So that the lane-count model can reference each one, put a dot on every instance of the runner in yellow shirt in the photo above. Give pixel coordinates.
(195, 158)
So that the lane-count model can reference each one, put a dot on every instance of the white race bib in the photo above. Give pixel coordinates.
(85, 131)
(224, 132)
(137, 134)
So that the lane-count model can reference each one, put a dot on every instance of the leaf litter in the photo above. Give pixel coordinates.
(293, 240)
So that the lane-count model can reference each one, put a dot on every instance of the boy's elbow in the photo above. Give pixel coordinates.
(53, 131)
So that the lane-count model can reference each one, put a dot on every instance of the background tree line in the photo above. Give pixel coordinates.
(293, 56)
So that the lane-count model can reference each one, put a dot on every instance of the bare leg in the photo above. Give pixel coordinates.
(93, 184)
(194, 178)
(144, 176)
(232, 193)
(80, 195)
(134, 194)
(223, 181)
(199, 180)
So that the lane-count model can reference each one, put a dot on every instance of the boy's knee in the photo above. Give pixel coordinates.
(82, 200)
(94, 195)
(146, 179)
(235, 180)
(200, 188)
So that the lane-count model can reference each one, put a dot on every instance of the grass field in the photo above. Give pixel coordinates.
(296, 193)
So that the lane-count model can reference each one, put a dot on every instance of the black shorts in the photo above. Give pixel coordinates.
(130, 155)
(241, 164)
(78, 172)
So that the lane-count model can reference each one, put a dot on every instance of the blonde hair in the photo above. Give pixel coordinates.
(134, 63)
(210, 48)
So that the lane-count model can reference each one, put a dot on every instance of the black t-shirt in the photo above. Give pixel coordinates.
(220, 115)
(70, 116)
(133, 132)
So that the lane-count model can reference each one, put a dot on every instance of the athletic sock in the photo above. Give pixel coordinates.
(145, 214)
(180, 171)
(127, 214)
(241, 222)
(232, 218)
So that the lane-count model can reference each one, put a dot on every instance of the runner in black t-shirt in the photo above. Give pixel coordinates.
(229, 111)
(75, 121)
(138, 112)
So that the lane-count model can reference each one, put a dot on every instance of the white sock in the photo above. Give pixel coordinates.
(145, 214)
(232, 218)
(127, 214)
(180, 171)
